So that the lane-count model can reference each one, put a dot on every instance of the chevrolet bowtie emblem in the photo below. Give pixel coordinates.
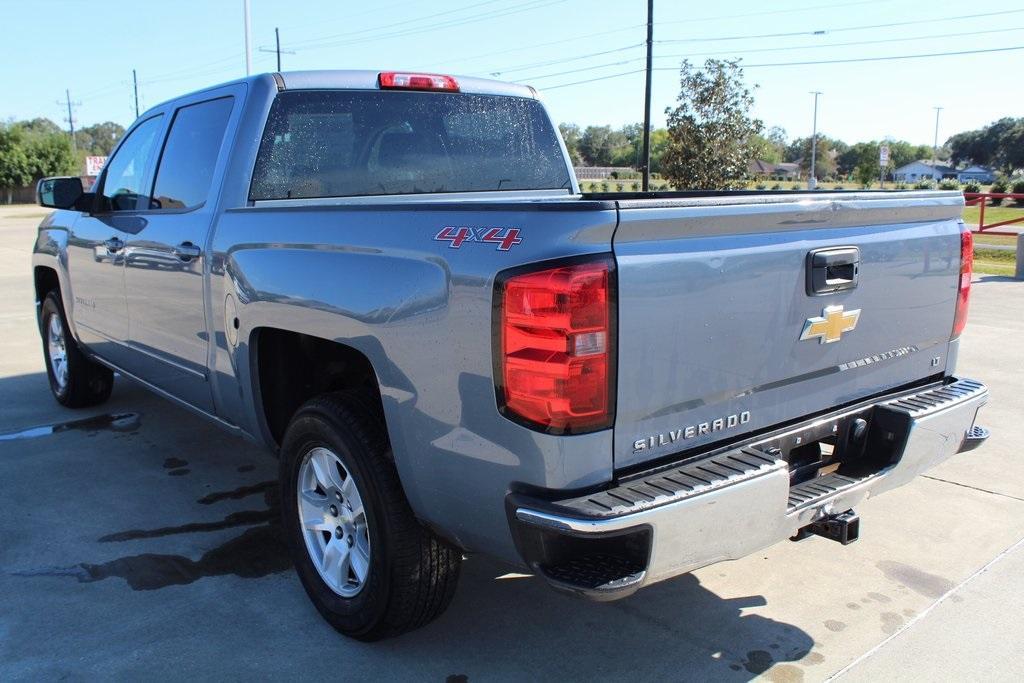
(831, 325)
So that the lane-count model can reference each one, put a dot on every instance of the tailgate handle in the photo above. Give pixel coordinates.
(832, 270)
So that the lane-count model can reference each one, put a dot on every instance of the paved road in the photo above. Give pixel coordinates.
(145, 547)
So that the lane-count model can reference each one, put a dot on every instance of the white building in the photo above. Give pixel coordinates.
(925, 170)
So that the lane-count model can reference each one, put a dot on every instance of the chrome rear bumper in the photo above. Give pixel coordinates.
(734, 502)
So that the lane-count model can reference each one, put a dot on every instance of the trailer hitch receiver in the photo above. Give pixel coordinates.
(843, 527)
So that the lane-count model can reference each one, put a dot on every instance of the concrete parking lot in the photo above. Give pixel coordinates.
(139, 542)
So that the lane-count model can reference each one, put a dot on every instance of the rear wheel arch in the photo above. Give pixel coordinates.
(289, 368)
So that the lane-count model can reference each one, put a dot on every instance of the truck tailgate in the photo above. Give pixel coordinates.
(714, 301)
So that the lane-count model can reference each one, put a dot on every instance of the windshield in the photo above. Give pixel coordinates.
(341, 143)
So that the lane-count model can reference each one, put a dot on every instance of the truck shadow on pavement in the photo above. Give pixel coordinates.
(498, 622)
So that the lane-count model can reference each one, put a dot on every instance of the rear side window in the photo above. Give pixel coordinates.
(190, 154)
(345, 143)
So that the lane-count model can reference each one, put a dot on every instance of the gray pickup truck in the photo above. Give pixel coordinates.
(393, 281)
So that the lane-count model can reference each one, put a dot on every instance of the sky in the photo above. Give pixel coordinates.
(90, 48)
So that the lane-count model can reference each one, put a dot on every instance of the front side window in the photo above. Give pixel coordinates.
(343, 143)
(125, 174)
(185, 172)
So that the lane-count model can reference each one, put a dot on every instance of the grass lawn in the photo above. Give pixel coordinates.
(993, 262)
(993, 214)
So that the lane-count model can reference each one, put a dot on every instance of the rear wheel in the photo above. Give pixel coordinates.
(76, 381)
(369, 567)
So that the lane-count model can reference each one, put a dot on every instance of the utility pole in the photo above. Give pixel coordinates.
(135, 88)
(647, 97)
(935, 142)
(248, 39)
(812, 180)
(71, 118)
(277, 42)
(277, 48)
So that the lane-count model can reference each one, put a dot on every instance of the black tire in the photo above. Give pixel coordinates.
(412, 572)
(88, 383)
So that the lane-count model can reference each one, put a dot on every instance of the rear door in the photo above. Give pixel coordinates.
(165, 260)
(723, 330)
(96, 243)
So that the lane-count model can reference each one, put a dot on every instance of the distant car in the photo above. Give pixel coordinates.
(392, 281)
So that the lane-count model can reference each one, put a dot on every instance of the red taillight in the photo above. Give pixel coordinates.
(411, 81)
(964, 288)
(555, 361)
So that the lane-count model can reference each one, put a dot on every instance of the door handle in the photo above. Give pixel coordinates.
(187, 251)
(832, 270)
(114, 245)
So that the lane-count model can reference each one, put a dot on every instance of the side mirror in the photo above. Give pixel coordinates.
(64, 192)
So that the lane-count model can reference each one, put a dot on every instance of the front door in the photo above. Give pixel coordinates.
(96, 245)
(166, 259)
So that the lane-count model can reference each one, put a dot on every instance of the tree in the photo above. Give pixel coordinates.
(710, 130)
(828, 151)
(598, 144)
(49, 154)
(14, 166)
(997, 144)
(571, 135)
(99, 139)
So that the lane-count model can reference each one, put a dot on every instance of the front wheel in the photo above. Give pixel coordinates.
(369, 567)
(75, 380)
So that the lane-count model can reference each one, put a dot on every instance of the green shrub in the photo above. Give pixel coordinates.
(760, 186)
(925, 184)
(635, 187)
(604, 187)
(838, 187)
(1000, 186)
(776, 186)
(972, 186)
(900, 185)
(619, 187)
(949, 184)
(1018, 188)
(796, 186)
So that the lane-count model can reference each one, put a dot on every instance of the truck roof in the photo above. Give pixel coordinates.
(362, 79)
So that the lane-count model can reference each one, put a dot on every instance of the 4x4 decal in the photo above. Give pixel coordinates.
(505, 238)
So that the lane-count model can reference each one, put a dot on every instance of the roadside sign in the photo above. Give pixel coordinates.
(883, 155)
(93, 165)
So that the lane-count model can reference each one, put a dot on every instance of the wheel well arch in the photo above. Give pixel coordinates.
(46, 280)
(289, 368)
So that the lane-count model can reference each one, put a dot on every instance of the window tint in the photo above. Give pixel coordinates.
(186, 165)
(346, 143)
(122, 184)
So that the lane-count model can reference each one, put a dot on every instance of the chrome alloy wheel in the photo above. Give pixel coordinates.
(57, 350)
(333, 522)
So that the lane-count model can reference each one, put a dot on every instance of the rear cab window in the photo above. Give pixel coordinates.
(347, 143)
(190, 154)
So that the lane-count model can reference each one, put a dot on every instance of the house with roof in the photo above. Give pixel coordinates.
(923, 170)
(977, 174)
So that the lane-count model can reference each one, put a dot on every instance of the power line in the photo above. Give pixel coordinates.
(747, 15)
(568, 59)
(877, 59)
(806, 63)
(324, 41)
(847, 44)
(819, 32)
(462, 21)
(594, 67)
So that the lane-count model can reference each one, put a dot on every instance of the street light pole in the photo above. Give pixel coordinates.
(812, 180)
(248, 38)
(277, 41)
(935, 142)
